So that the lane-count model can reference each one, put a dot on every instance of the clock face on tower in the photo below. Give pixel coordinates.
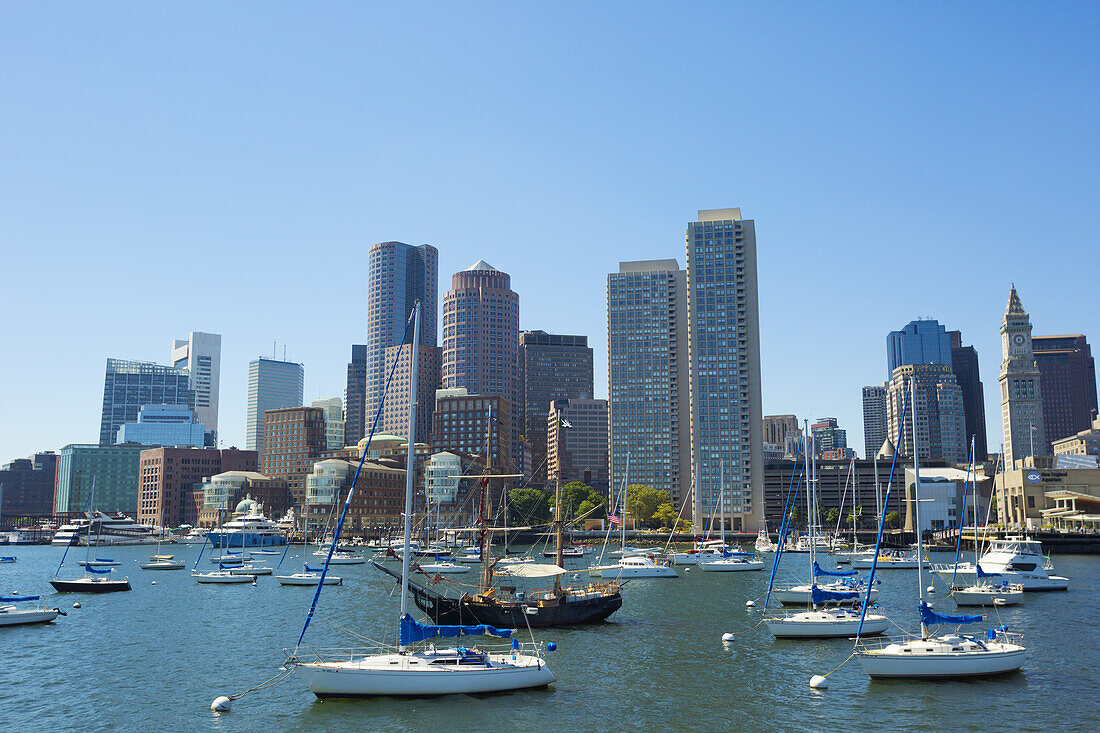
(1018, 338)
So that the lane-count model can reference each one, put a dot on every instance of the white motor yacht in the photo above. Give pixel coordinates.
(12, 615)
(1017, 559)
(636, 567)
(116, 530)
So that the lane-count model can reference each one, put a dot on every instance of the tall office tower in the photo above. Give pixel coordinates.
(551, 367)
(334, 421)
(828, 436)
(647, 376)
(576, 445)
(941, 420)
(201, 356)
(1069, 384)
(481, 337)
(1021, 392)
(27, 487)
(293, 440)
(272, 385)
(920, 342)
(355, 395)
(395, 409)
(461, 424)
(874, 419)
(164, 425)
(398, 275)
(112, 469)
(964, 362)
(128, 385)
(776, 428)
(724, 344)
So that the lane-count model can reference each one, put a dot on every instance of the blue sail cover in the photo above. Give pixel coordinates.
(818, 570)
(311, 570)
(16, 599)
(928, 617)
(92, 569)
(731, 553)
(413, 631)
(817, 595)
(984, 574)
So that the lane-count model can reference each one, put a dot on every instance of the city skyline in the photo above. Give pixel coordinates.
(594, 203)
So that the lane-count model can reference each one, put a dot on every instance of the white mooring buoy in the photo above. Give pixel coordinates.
(221, 705)
(750, 604)
(931, 589)
(76, 605)
(727, 637)
(818, 682)
(154, 582)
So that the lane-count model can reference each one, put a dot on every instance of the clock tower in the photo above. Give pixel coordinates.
(1021, 398)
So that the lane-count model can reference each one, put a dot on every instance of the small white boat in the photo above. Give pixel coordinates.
(630, 551)
(636, 567)
(470, 555)
(98, 563)
(735, 563)
(308, 579)
(12, 615)
(824, 623)
(987, 594)
(265, 552)
(764, 542)
(1016, 559)
(222, 576)
(889, 561)
(800, 594)
(942, 656)
(445, 567)
(250, 570)
(229, 559)
(163, 565)
(340, 558)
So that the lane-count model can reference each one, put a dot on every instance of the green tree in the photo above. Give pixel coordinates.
(832, 516)
(794, 515)
(893, 520)
(573, 495)
(528, 505)
(590, 510)
(854, 516)
(643, 501)
(665, 515)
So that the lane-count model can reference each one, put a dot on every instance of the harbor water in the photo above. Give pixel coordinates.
(154, 659)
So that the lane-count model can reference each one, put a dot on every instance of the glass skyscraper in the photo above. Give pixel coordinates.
(128, 385)
(724, 347)
(920, 342)
(272, 385)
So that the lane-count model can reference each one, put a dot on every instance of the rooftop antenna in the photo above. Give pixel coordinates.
(272, 349)
(284, 352)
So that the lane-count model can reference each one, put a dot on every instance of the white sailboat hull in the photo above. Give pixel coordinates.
(1000, 659)
(163, 565)
(823, 625)
(37, 616)
(214, 578)
(800, 595)
(376, 675)
(987, 595)
(1030, 582)
(653, 572)
(307, 579)
(731, 566)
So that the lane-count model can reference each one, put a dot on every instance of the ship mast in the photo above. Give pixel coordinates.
(559, 558)
(483, 519)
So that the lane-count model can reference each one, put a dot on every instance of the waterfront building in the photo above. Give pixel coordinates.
(724, 359)
(647, 376)
(941, 493)
(874, 419)
(791, 444)
(395, 408)
(334, 421)
(1068, 375)
(923, 341)
(1021, 388)
(27, 486)
(461, 425)
(481, 337)
(218, 496)
(551, 367)
(1084, 443)
(377, 504)
(964, 363)
(827, 436)
(938, 401)
(776, 427)
(294, 438)
(355, 394)
(201, 355)
(128, 385)
(1036, 497)
(837, 454)
(576, 446)
(272, 385)
(772, 452)
(169, 476)
(398, 275)
(113, 468)
(164, 425)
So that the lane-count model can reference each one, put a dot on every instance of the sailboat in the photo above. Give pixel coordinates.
(823, 617)
(730, 561)
(951, 655)
(631, 564)
(413, 670)
(159, 561)
(12, 615)
(95, 580)
(307, 577)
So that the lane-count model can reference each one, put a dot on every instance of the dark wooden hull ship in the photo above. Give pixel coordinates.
(569, 606)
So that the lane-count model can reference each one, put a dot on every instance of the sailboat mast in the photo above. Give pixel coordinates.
(559, 558)
(916, 505)
(722, 500)
(809, 501)
(410, 464)
(486, 537)
(974, 501)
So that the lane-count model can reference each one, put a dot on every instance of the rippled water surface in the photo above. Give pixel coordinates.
(154, 658)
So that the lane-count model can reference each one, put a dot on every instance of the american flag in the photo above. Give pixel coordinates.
(613, 518)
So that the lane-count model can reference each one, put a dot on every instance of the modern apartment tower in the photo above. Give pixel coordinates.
(395, 409)
(941, 420)
(1021, 390)
(334, 421)
(776, 428)
(828, 435)
(481, 337)
(1069, 384)
(920, 342)
(874, 419)
(964, 362)
(724, 357)
(130, 385)
(294, 438)
(272, 385)
(201, 355)
(576, 445)
(355, 394)
(551, 367)
(398, 275)
(647, 376)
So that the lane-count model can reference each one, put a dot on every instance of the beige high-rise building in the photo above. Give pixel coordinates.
(776, 428)
(724, 368)
(1021, 391)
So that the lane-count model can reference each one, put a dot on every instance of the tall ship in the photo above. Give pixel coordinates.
(248, 528)
(105, 530)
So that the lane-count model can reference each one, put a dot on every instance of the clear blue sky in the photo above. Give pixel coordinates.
(169, 167)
